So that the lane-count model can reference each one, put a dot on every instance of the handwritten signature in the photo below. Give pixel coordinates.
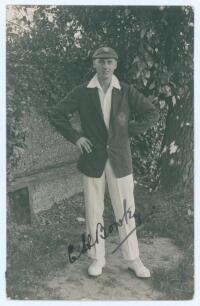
(103, 233)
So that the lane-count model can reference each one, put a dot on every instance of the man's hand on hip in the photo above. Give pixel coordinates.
(84, 143)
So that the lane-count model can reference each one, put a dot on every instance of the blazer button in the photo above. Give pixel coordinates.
(107, 146)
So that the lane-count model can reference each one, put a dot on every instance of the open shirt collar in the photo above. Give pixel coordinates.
(94, 82)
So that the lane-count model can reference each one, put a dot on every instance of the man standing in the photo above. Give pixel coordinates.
(106, 107)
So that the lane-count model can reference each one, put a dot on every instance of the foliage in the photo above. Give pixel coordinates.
(49, 52)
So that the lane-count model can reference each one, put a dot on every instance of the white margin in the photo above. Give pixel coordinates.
(3, 3)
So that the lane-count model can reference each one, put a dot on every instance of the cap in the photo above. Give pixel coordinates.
(105, 52)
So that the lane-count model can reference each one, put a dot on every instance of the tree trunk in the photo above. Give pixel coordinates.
(177, 153)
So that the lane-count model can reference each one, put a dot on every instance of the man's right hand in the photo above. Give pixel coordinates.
(84, 143)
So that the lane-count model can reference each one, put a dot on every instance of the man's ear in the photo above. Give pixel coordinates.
(94, 63)
(115, 64)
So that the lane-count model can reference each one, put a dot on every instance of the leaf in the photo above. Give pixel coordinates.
(142, 33)
(150, 34)
(164, 21)
(150, 48)
(167, 90)
(10, 109)
(162, 104)
(80, 219)
(152, 86)
(174, 100)
(144, 81)
(147, 74)
(150, 63)
(136, 60)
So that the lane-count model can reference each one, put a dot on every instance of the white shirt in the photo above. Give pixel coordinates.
(105, 98)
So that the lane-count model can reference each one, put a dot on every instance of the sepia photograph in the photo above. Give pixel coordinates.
(100, 152)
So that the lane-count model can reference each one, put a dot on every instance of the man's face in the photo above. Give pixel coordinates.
(105, 67)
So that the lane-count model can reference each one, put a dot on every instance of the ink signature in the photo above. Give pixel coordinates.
(103, 233)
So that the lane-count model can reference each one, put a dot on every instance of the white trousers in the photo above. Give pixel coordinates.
(119, 189)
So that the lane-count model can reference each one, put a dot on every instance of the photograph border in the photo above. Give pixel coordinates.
(3, 4)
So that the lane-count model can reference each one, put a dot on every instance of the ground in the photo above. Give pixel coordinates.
(38, 265)
(116, 282)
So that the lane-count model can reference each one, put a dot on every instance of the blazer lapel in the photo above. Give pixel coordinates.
(97, 103)
(96, 100)
(115, 101)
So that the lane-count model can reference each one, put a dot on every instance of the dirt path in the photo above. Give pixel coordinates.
(116, 282)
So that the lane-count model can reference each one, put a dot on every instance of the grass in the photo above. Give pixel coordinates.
(177, 284)
(33, 252)
(37, 251)
(173, 218)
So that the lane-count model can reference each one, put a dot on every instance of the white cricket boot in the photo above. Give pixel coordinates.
(138, 267)
(95, 269)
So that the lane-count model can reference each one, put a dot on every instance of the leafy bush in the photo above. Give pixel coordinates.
(49, 51)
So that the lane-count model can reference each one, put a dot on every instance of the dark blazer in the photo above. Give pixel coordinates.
(126, 104)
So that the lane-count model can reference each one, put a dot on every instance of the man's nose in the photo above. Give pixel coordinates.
(105, 65)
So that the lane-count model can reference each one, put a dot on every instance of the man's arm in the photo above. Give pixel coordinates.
(59, 115)
(144, 111)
